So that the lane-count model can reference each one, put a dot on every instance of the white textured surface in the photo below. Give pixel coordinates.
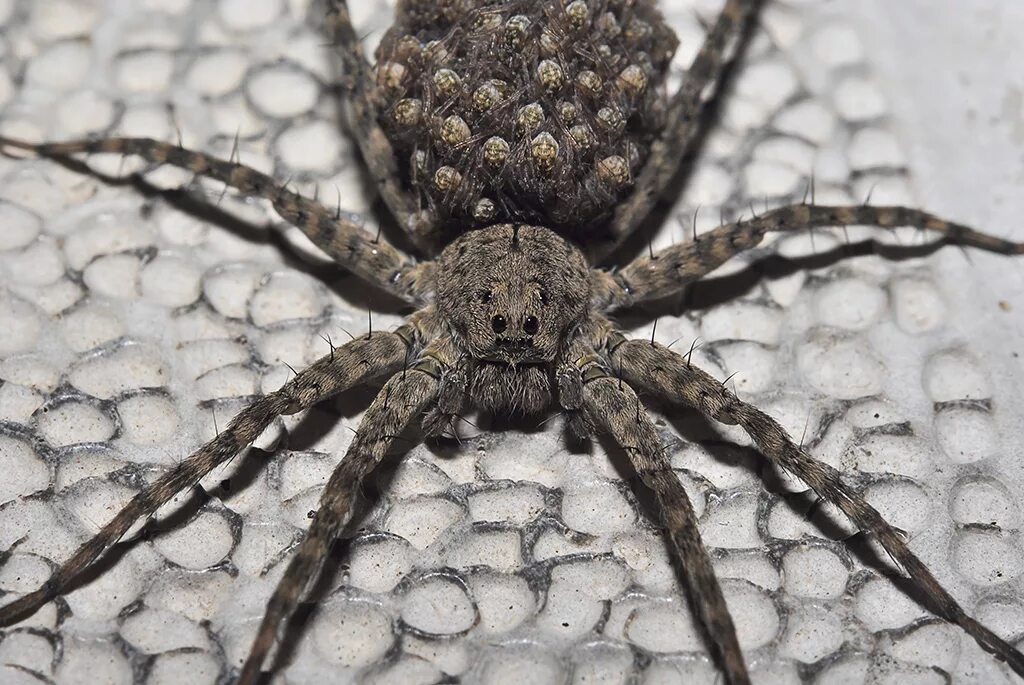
(130, 327)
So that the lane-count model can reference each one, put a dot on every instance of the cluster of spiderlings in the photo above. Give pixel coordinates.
(539, 111)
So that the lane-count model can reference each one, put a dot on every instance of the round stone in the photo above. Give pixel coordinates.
(283, 91)
(217, 72)
(984, 501)
(438, 605)
(24, 471)
(313, 147)
(422, 520)
(248, 15)
(504, 601)
(21, 226)
(814, 572)
(129, 367)
(285, 297)
(195, 668)
(967, 435)
(180, 547)
(850, 303)
(170, 281)
(987, 558)
(147, 419)
(842, 368)
(352, 633)
(596, 508)
(377, 566)
(952, 375)
(74, 422)
(22, 324)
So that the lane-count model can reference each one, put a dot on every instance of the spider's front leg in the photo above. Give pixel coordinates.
(614, 406)
(356, 362)
(667, 271)
(373, 259)
(404, 397)
(672, 377)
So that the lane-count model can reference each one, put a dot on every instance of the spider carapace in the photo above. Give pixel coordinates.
(518, 141)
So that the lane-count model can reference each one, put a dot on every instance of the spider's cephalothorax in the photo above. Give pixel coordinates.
(532, 111)
(512, 296)
(499, 116)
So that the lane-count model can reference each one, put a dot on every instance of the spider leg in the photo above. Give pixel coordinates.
(357, 361)
(669, 375)
(613, 406)
(403, 397)
(376, 150)
(683, 119)
(342, 239)
(667, 271)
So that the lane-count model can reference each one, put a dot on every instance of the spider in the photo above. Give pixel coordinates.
(519, 143)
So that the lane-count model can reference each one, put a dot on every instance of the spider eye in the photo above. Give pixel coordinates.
(544, 297)
(484, 296)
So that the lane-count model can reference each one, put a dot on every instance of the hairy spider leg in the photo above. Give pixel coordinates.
(345, 241)
(403, 398)
(613, 406)
(351, 364)
(666, 374)
(668, 270)
(682, 120)
(377, 152)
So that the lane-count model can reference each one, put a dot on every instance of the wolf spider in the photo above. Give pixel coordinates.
(569, 143)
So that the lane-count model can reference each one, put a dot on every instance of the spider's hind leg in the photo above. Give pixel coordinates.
(346, 366)
(672, 377)
(402, 399)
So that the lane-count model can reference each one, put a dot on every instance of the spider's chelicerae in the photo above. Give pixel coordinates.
(517, 143)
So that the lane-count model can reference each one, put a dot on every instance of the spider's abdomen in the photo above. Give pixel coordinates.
(538, 111)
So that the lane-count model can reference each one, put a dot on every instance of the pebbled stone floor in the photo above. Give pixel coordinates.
(133, 328)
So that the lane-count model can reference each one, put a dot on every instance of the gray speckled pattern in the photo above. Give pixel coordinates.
(130, 329)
